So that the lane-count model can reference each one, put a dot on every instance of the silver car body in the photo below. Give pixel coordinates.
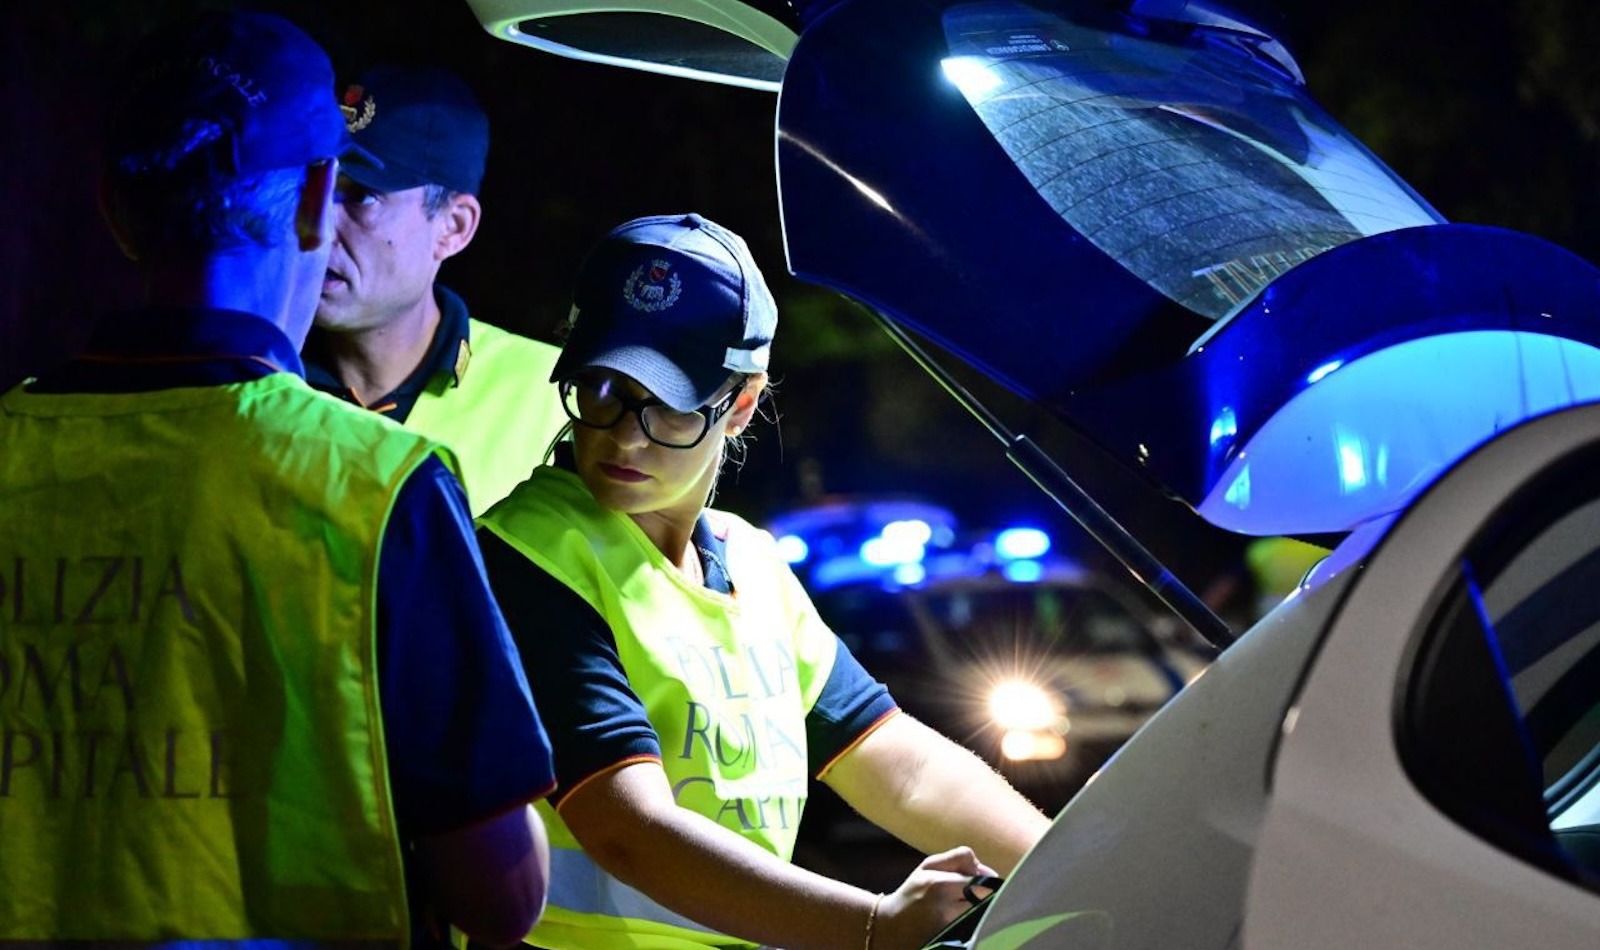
(1269, 805)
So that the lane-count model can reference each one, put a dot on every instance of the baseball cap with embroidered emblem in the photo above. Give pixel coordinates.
(243, 93)
(674, 301)
(424, 126)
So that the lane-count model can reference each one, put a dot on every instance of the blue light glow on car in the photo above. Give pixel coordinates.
(1225, 426)
(793, 548)
(971, 75)
(1023, 572)
(1352, 459)
(910, 575)
(1339, 454)
(1323, 370)
(900, 542)
(1021, 543)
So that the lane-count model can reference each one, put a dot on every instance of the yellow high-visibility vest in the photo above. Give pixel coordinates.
(499, 413)
(191, 745)
(727, 682)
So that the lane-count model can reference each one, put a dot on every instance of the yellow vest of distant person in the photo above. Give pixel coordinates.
(727, 682)
(190, 738)
(498, 413)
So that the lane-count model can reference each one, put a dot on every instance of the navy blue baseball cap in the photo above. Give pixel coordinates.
(674, 301)
(245, 92)
(424, 126)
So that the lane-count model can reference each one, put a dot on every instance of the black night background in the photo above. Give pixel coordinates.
(1489, 108)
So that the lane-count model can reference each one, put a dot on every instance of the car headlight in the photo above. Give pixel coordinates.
(1023, 705)
(1032, 745)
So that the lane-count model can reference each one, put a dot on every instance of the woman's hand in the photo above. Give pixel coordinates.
(926, 901)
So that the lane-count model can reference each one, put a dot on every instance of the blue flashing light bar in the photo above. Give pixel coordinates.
(793, 549)
(900, 542)
(909, 575)
(1024, 572)
(1016, 544)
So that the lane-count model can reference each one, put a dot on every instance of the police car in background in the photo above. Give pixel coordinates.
(1022, 654)
(1200, 270)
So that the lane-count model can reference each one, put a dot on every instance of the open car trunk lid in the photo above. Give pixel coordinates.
(1135, 215)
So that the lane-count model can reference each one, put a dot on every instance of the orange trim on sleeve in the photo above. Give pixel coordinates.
(828, 765)
(565, 793)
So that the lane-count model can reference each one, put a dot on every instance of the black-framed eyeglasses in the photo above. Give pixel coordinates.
(598, 402)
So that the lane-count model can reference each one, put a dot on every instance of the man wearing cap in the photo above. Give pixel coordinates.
(387, 336)
(691, 689)
(245, 636)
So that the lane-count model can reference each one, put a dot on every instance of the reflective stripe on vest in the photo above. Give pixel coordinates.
(499, 417)
(726, 682)
(190, 736)
(578, 885)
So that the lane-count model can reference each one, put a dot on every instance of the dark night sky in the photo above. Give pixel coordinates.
(1490, 108)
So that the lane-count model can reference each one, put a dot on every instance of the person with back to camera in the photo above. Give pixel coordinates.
(254, 689)
(689, 685)
(388, 336)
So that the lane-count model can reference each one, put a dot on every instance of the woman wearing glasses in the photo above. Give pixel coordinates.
(690, 689)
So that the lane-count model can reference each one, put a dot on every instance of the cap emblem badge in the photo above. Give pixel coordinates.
(358, 108)
(652, 287)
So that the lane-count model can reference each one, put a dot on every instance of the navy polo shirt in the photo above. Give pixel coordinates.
(447, 669)
(443, 357)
